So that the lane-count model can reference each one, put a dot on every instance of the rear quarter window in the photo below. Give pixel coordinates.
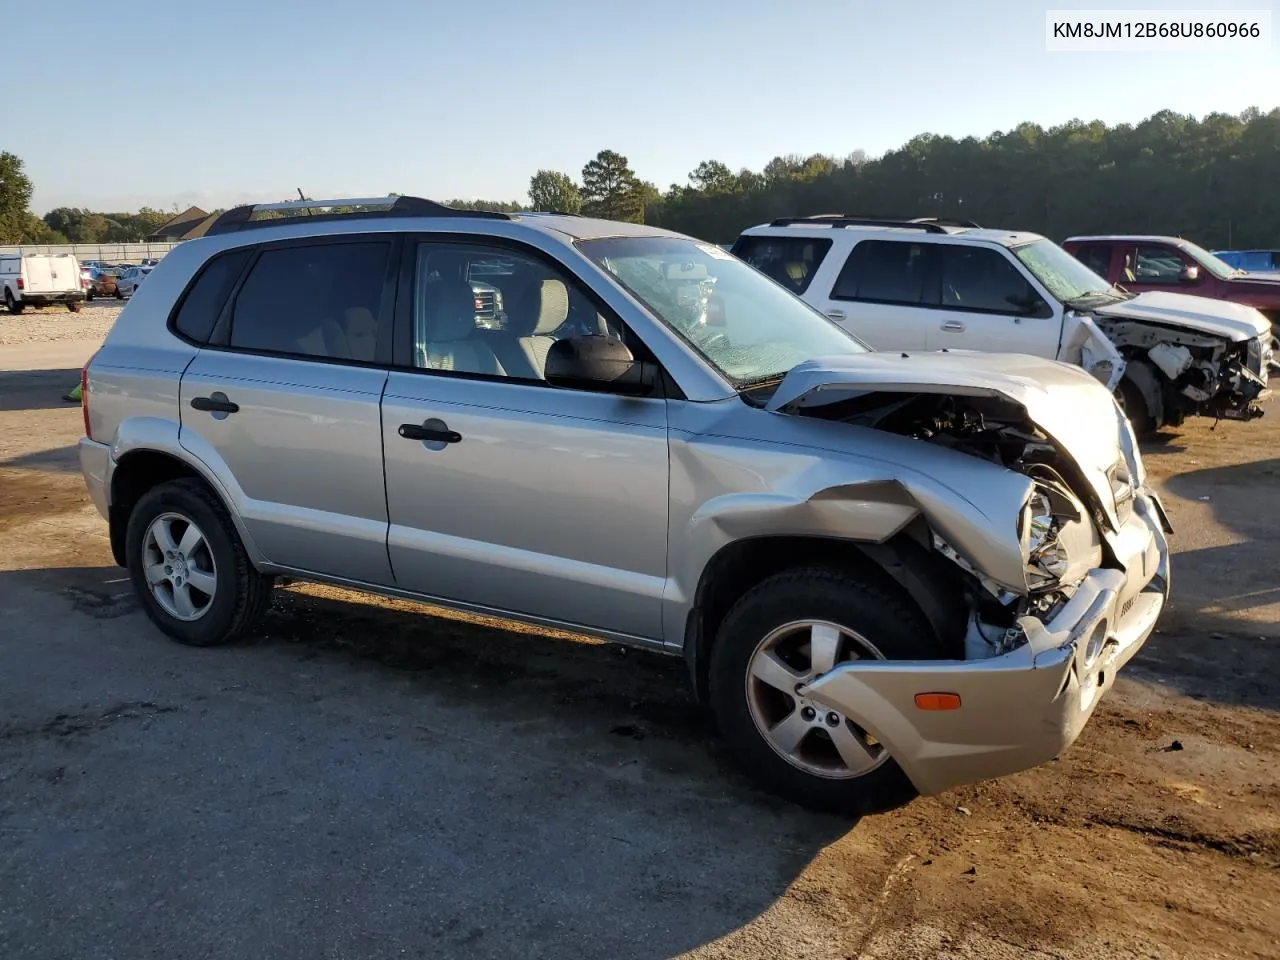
(1095, 256)
(199, 309)
(791, 261)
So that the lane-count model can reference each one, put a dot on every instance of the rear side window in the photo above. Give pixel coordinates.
(1097, 257)
(200, 308)
(791, 261)
(884, 271)
(318, 301)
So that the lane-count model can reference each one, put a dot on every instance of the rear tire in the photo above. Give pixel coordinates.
(224, 594)
(754, 714)
(13, 306)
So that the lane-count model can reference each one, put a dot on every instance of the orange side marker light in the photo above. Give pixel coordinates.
(938, 701)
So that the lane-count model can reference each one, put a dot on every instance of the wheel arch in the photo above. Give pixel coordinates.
(905, 564)
(141, 469)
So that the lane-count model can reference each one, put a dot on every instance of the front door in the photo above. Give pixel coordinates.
(985, 302)
(505, 493)
(285, 406)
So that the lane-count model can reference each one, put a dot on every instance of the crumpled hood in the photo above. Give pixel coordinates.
(1069, 405)
(1222, 318)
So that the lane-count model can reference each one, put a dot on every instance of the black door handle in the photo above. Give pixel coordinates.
(214, 404)
(418, 431)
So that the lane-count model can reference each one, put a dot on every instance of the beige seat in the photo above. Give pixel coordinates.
(325, 340)
(448, 338)
(362, 333)
(534, 313)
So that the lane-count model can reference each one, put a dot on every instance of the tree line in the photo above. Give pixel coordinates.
(1214, 180)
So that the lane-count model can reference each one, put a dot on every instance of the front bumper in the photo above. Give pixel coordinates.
(1027, 706)
(95, 464)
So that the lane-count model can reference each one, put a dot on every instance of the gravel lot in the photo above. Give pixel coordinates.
(56, 324)
(375, 778)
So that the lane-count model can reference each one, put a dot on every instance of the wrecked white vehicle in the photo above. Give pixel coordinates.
(886, 573)
(946, 285)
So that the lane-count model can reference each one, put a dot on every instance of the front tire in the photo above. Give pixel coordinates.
(189, 568)
(1134, 405)
(791, 629)
(75, 306)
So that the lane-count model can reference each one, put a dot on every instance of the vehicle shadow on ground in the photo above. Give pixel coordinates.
(36, 389)
(1202, 650)
(59, 459)
(637, 838)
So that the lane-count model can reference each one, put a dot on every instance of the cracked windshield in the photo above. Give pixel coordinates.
(744, 324)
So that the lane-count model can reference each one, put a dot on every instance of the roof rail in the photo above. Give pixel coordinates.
(947, 222)
(834, 221)
(241, 218)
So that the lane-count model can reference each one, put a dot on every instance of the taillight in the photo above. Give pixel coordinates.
(84, 395)
(22, 284)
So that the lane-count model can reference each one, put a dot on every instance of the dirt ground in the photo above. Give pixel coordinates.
(375, 778)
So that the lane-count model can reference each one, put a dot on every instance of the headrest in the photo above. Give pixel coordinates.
(537, 308)
(450, 310)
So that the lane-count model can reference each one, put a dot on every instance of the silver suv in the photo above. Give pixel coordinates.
(885, 572)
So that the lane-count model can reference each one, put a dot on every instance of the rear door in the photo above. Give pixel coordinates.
(38, 276)
(880, 292)
(986, 302)
(284, 402)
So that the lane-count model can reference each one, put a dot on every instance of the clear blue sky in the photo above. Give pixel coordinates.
(236, 100)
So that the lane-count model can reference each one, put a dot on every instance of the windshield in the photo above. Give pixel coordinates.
(1062, 274)
(1218, 267)
(741, 322)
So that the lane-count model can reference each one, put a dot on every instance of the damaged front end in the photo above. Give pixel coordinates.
(1037, 655)
(1177, 370)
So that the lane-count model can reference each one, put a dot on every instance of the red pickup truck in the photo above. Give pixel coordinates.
(1177, 265)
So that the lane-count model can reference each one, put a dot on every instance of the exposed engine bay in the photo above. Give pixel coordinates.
(1177, 372)
(1058, 525)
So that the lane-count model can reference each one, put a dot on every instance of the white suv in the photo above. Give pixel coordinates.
(933, 284)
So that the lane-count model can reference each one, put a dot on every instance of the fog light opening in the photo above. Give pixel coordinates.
(1097, 640)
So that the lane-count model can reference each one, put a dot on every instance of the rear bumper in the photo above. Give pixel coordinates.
(95, 464)
(45, 299)
(1026, 706)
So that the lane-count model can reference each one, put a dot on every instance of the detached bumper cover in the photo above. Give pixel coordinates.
(1027, 706)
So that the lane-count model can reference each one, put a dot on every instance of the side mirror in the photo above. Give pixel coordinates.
(1189, 275)
(600, 364)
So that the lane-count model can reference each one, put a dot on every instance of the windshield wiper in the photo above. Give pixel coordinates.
(1095, 294)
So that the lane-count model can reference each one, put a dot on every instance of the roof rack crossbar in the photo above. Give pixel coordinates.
(241, 218)
(834, 222)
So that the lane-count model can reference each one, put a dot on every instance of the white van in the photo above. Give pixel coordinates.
(40, 279)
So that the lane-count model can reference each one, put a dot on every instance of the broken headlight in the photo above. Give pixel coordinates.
(1060, 544)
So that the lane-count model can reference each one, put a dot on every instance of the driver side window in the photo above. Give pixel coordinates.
(494, 312)
(1157, 265)
(984, 281)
